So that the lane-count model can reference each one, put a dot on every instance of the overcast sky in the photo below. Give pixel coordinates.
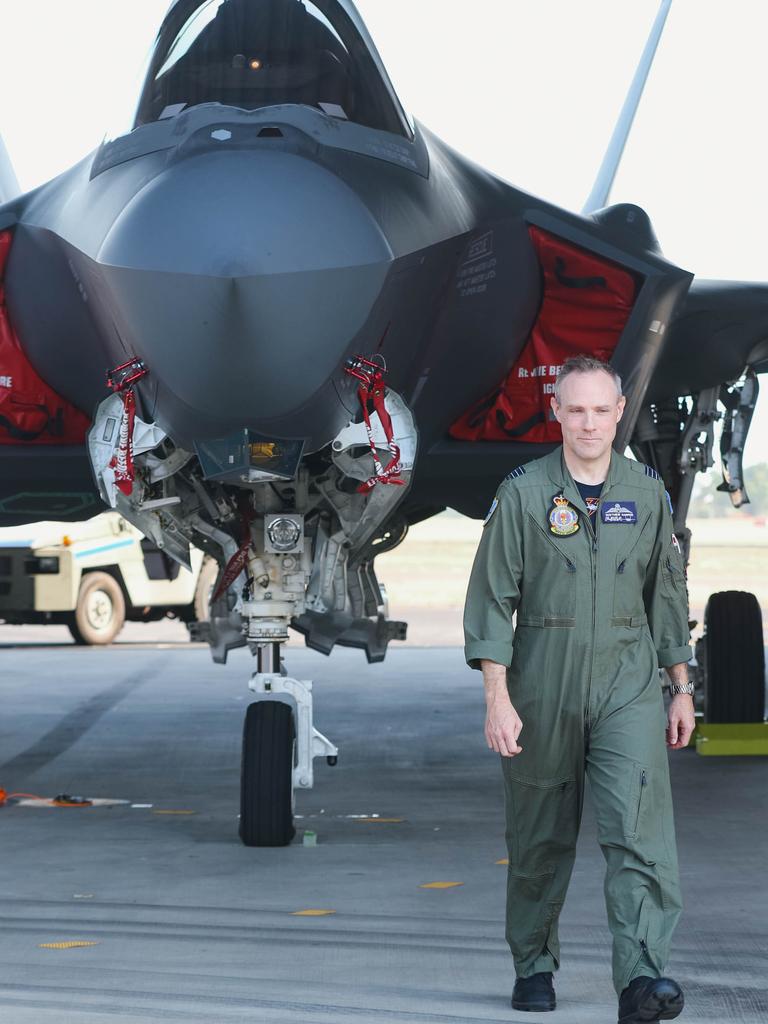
(528, 88)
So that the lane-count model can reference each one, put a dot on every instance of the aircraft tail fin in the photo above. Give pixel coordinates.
(9, 183)
(601, 189)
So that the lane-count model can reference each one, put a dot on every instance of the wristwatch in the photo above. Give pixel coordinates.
(675, 688)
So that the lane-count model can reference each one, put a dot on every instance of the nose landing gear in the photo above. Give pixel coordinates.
(279, 745)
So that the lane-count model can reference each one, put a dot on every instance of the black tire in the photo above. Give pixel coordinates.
(206, 581)
(734, 658)
(100, 610)
(266, 776)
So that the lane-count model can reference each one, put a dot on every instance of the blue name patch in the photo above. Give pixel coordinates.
(619, 512)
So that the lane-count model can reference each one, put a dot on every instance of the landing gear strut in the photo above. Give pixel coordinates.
(279, 745)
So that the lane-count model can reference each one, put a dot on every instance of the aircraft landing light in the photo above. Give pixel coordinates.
(504, 860)
(312, 912)
(439, 885)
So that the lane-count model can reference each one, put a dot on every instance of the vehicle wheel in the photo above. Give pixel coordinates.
(206, 581)
(266, 778)
(100, 610)
(734, 658)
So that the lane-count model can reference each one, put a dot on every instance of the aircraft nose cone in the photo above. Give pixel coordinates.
(242, 280)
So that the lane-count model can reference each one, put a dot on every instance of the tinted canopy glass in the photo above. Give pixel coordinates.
(257, 53)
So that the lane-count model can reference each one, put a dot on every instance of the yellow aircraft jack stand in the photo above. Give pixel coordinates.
(731, 739)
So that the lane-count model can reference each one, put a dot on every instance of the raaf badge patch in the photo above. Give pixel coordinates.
(491, 510)
(563, 517)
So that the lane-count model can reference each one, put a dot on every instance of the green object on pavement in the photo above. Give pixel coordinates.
(731, 739)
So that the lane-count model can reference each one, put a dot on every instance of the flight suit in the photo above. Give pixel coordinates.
(599, 610)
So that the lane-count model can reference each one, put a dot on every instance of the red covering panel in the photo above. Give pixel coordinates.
(586, 303)
(30, 411)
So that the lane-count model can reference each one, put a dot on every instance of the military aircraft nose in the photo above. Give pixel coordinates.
(242, 281)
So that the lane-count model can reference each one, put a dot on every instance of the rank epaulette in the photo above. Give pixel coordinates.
(649, 471)
(520, 471)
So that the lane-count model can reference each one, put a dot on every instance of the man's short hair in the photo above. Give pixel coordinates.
(584, 364)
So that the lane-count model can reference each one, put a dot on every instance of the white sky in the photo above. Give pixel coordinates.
(530, 89)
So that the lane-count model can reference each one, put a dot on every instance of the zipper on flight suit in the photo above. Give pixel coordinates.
(643, 783)
(593, 567)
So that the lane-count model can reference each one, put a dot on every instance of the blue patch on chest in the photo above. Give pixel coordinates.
(618, 512)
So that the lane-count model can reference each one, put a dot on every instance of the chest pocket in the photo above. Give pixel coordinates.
(548, 593)
(630, 565)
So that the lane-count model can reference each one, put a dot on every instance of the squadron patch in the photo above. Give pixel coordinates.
(619, 512)
(563, 518)
(491, 510)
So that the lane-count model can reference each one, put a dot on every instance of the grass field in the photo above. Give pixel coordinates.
(426, 577)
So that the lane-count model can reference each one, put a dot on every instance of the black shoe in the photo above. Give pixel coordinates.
(650, 999)
(534, 993)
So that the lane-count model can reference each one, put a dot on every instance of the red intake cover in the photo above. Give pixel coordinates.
(30, 411)
(586, 303)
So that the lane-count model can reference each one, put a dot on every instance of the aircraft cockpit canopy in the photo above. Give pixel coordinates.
(258, 53)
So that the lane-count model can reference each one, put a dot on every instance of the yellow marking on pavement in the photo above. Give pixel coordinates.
(66, 945)
(174, 812)
(504, 860)
(386, 821)
(312, 913)
(439, 885)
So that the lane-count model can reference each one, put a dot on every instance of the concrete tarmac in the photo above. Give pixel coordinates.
(184, 923)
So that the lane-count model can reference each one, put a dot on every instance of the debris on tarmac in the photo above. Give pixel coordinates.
(74, 944)
(439, 885)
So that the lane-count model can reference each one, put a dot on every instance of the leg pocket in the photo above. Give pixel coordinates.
(542, 821)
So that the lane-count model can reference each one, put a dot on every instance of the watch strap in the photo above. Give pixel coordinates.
(675, 688)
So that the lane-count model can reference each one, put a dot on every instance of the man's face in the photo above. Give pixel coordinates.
(589, 413)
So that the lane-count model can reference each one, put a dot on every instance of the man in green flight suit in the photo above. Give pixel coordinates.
(580, 545)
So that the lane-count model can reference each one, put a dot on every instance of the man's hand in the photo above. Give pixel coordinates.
(502, 722)
(680, 721)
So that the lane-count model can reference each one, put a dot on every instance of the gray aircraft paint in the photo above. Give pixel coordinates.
(245, 255)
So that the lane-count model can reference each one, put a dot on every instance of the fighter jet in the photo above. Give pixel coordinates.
(277, 319)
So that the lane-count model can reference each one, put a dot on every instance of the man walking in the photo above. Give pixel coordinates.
(580, 544)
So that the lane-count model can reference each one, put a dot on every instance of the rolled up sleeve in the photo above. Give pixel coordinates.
(493, 593)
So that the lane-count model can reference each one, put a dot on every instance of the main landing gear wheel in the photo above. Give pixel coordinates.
(266, 779)
(734, 658)
(100, 610)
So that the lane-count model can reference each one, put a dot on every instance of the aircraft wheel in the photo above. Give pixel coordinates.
(734, 658)
(206, 581)
(266, 778)
(100, 610)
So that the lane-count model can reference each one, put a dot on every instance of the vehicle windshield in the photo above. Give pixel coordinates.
(258, 53)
